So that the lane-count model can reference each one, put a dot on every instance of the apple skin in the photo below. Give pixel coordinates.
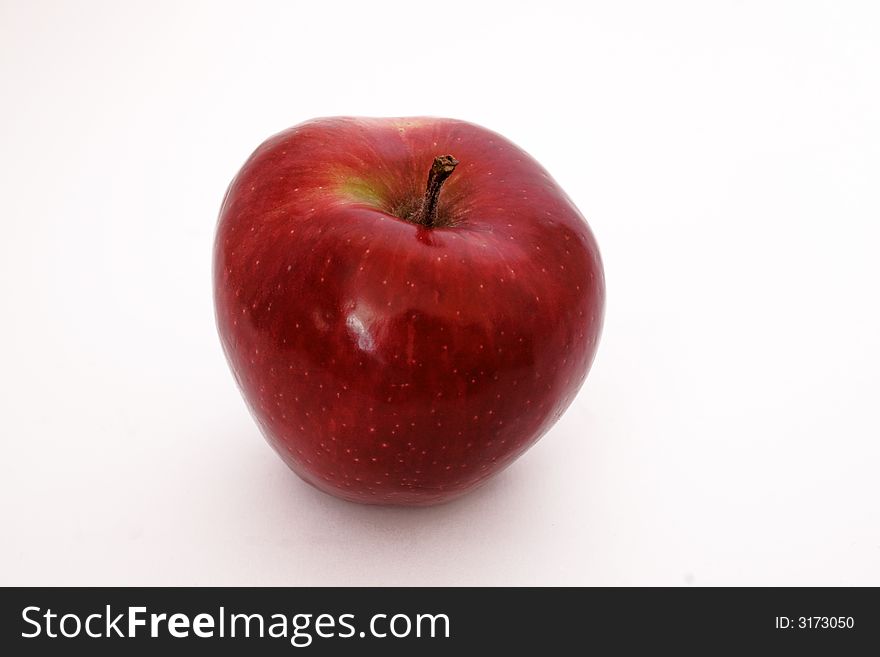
(387, 362)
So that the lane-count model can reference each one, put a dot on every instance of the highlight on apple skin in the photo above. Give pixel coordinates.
(407, 304)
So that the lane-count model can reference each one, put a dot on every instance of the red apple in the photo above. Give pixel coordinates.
(397, 344)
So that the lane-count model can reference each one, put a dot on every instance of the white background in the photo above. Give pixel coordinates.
(727, 156)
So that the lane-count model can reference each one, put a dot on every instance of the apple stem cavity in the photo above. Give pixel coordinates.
(441, 169)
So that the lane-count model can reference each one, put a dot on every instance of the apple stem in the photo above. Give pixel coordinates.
(441, 169)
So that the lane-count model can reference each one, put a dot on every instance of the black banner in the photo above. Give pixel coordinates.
(440, 621)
